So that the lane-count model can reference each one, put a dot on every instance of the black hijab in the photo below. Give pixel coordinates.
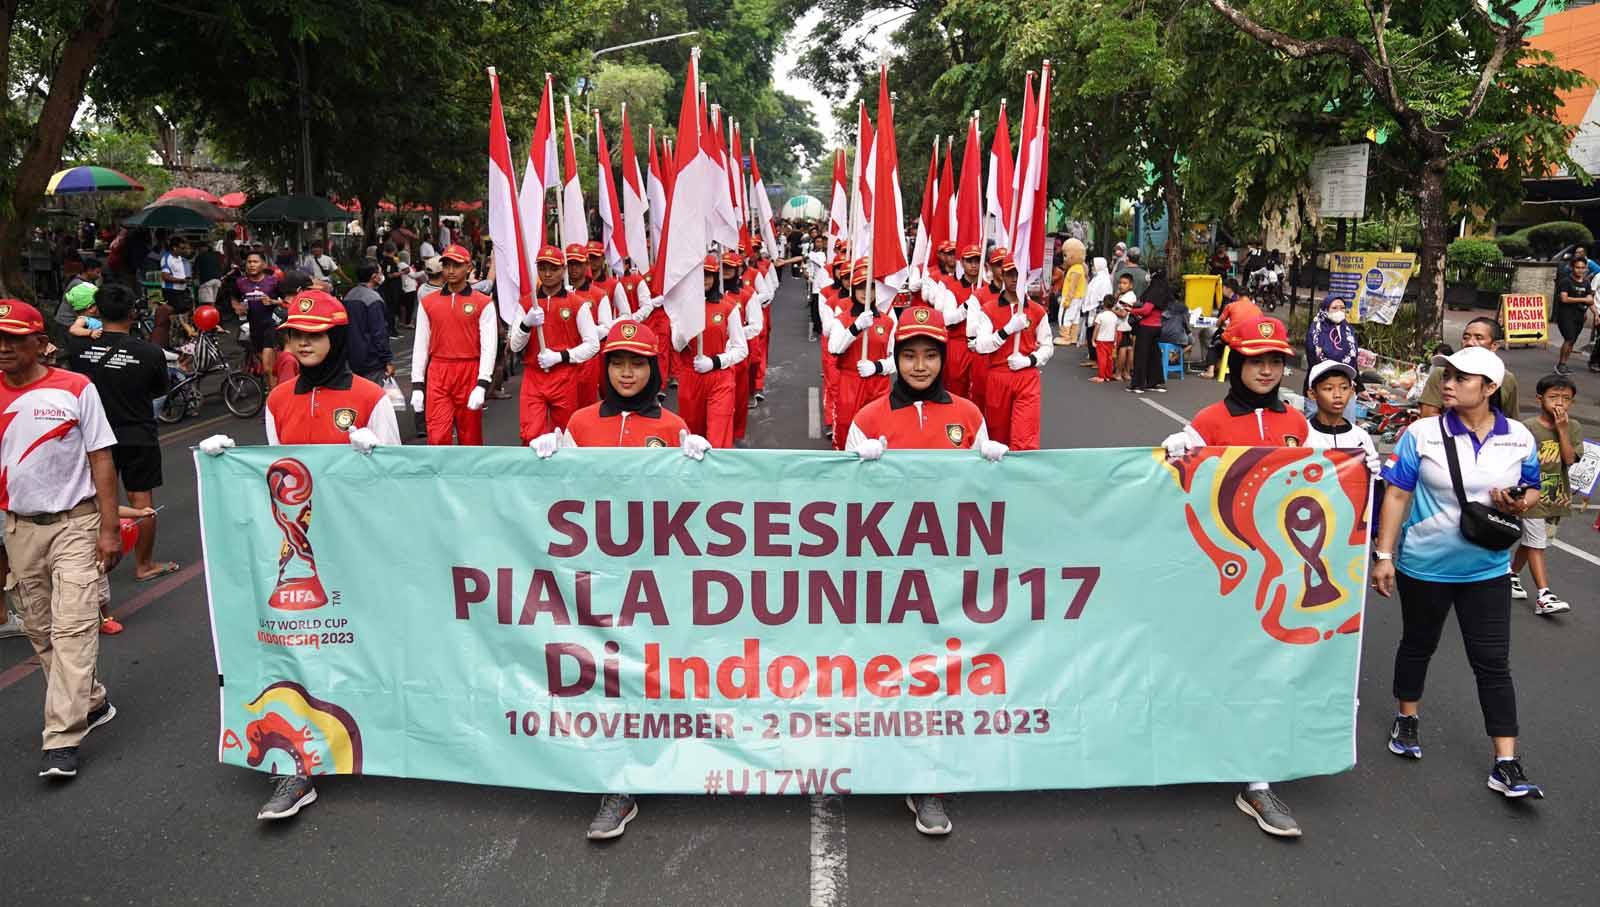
(644, 403)
(902, 394)
(333, 372)
(1241, 399)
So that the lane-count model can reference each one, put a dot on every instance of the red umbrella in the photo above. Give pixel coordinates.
(189, 192)
(232, 200)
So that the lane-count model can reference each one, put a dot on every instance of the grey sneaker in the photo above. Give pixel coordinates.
(289, 796)
(1269, 812)
(1518, 593)
(929, 810)
(613, 816)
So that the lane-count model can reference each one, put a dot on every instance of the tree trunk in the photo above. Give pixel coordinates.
(43, 152)
(369, 216)
(1435, 228)
(1172, 195)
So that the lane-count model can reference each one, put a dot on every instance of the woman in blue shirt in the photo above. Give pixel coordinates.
(1436, 568)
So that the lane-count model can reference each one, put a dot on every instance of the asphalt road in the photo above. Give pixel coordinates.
(153, 819)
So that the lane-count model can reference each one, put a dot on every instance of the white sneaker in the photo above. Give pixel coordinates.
(1517, 592)
(1550, 603)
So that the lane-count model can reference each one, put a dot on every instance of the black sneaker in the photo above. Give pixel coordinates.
(1563, 369)
(100, 716)
(1403, 737)
(1270, 813)
(291, 793)
(61, 762)
(1508, 778)
(613, 816)
(929, 810)
(761, 396)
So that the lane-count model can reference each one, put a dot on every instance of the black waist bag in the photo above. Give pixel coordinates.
(1481, 524)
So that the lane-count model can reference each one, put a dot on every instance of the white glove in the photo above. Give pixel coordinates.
(215, 445)
(866, 368)
(1177, 445)
(1374, 463)
(694, 446)
(751, 332)
(416, 400)
(703, 364)
(549, 359)
(1017, 324)
(363, 440)
(914, 285)
(244, 332)
(1017, 362)
(545, 445)
(872, 448)
(992, 450)
(955, 315)
(475, 399)
(534, 317)
(865, 319)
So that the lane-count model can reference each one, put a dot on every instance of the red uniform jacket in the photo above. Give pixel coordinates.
(324, 416)
(453, 323)
(998, 313)
(560, 323)
(1225, 424)
(589, 428)
(932, 425)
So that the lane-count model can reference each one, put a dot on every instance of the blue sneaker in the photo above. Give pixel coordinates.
(1507, 777)
(1403, 737)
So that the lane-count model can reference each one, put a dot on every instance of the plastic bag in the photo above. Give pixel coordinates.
(391, 389)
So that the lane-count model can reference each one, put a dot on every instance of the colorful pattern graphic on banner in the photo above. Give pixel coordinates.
(1526, 317)
(787, 622)
(1375, 281)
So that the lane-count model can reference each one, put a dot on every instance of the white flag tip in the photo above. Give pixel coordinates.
(491, 72)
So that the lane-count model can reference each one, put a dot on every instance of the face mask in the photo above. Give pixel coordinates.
(1336, 317)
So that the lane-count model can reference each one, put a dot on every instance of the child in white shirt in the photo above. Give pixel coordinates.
(1105, 340)
(1330, 386)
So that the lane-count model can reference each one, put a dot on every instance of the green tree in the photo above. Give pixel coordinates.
(1463, 98)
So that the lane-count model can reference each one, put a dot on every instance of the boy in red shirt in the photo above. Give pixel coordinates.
(453, 354)
(561, 324)
(1014, 352)
(629, 414)
(832, 304)
(706, 390)
(735, 284)
(860, 342)
(1251, 415)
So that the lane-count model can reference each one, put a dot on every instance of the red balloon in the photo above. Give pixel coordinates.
(130, 534)
(206, 318)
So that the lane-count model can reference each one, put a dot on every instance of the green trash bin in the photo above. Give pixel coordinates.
(1203, 292)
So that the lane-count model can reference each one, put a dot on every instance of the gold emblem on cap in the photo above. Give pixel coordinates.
(5, 311)
(1265, 328)
(921, 316)
(628, 330)
(306, 304)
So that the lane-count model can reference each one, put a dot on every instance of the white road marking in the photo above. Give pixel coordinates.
(813, 412)
(1575, 552)
(830, 859)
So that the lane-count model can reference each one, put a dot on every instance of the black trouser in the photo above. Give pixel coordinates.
(1147, 357)
(816, 313)
(1483, 611)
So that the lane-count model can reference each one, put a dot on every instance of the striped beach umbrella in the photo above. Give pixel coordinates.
(78, 180)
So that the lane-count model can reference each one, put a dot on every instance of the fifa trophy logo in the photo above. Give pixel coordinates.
(299, 588)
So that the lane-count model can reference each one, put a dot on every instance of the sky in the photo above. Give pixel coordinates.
(784, 78)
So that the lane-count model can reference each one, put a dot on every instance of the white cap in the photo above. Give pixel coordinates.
(1475, 360)
(1330, 365)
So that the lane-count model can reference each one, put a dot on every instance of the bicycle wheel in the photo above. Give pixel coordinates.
(242, 394)
(176, 405)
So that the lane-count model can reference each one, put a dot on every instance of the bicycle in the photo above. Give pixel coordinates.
(242, 393)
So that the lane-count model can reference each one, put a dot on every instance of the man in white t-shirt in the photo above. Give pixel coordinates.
(58, 486)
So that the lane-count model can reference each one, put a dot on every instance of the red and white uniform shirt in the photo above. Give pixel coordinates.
(327, 415)
(455, 326)
(950, 424)
(47, 431)
(589, 428)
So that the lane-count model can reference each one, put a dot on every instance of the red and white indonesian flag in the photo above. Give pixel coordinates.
(969, 202)
(685, 230)
(616, 243)
(863, 170)
(889, 266)
(839, 207)
(656, 189)
(944, 209)
(1001, 183)
(725, 220)
(923, 246)
(512, 287)
(1032, 183)
(763, 206)
(633, 200)
(574, 220)
(540, 173)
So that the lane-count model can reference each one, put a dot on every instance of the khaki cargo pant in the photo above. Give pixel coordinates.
(58, 581)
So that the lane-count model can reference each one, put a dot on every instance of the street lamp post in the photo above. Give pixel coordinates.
(588, 82)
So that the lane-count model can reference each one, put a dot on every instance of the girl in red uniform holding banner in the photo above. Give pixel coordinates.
(324, 404)
(628, 415)
(706, 389)
(1015, 353)
(453, 354)
(918, 413)
(1251, 415)
(560, 325)
(860, 343)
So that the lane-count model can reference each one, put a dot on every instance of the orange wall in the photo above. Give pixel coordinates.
(1574, 37)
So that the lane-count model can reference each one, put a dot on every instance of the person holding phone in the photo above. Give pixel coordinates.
(1424, 551)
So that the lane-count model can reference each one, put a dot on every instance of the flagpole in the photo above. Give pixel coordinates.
(561, 191)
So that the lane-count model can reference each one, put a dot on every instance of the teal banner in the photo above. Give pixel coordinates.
(785, 622)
